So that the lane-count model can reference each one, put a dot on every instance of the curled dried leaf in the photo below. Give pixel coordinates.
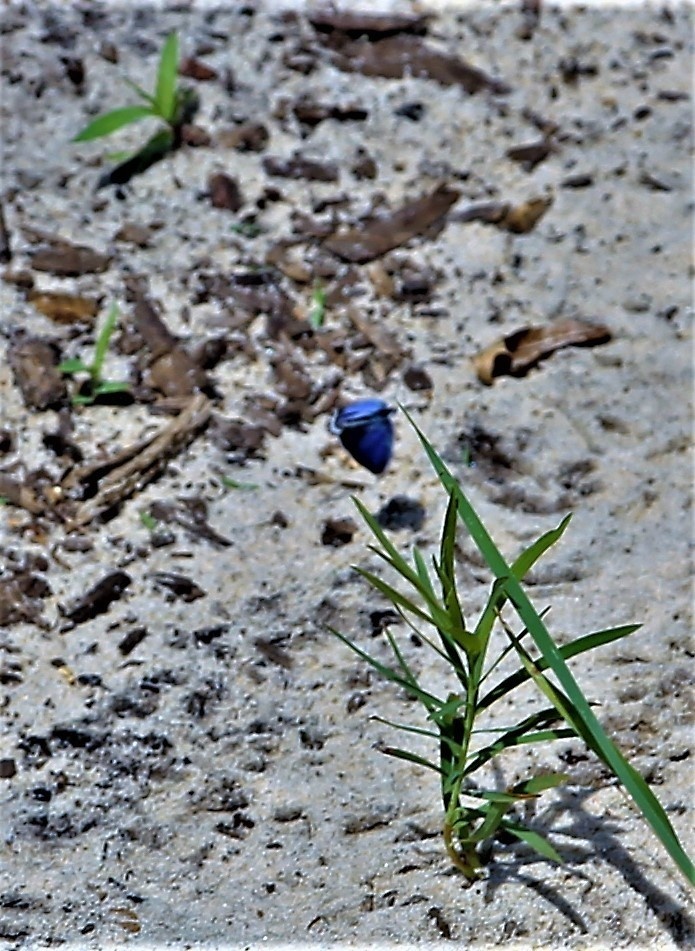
(516, 353)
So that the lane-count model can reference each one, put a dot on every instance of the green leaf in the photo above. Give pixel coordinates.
(409, 757)
(518, 735)
(494, 813)
(148, 521)
(148, 97)
(165, 92)
(394, 595)
(642, 795)
(533, 839)
(112, 121)
(242, 486)
(427, 699)
(103, 340)
(318, 309)
(73, 365)
(538, 784)
(105, 387)
(579, 646)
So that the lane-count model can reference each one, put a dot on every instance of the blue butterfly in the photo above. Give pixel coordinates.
(366, 431)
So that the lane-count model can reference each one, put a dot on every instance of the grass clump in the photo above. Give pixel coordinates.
(170, 103)
(462, 740)
(94, 387)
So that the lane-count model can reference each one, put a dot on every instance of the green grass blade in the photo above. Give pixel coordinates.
(112, 121)
(410, 758)
(518, 735)
(394, 556)
(73, 365)
(446, 569)
(394, 595)
(138, 90)
(640, 792)
(538, 784)
(423, 574)
(407, 728)
(495, 812)
(579, 646)
(528, 558)
(103, 340)
(107, 387)
(427, 699)
(520, 568)
(165, 91)
(533, 839)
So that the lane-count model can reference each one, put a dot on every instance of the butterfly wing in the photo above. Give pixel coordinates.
(366, 431)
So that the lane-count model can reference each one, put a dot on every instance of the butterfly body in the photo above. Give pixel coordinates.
(366, 431)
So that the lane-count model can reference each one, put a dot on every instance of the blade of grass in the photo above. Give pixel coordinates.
(142, 93)
(533, 839)
(409, 757)
(165, 91)
(427, 699)
(103, 340)
(112, 121)
(586, 643)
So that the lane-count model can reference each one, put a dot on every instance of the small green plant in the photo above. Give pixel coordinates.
(148, 521)
(230, 483)
(173, 104)
(248, 228)
(318, 306)
(94, 386)
(473, 813)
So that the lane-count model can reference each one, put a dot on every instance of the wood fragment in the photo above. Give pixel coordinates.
(133, 468)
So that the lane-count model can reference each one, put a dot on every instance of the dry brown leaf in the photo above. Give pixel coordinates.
(64, 308)
(387, 231)
(516, 353)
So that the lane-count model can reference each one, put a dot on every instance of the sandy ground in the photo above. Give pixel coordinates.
(217, 780)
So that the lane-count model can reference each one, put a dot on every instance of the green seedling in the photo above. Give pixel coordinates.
(170, 103)
(466, 739)
(247, 228)
(318, 306)
(241, 486)
(94, 386)
(148, 521)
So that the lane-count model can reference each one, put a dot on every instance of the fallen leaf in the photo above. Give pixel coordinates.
(516, 353)
(64, 308)
(298, 166)
(65, 259)
(171, 369)
(530, 154)
(180, 585)
(224, 192)
(383, 233)
(367, 24)
(397, 56)
(34, 362)
(99, 598)
(246, 137)
(310, 112)
(194, 68)
(519, 219)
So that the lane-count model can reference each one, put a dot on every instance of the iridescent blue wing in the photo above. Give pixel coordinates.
(366, 431)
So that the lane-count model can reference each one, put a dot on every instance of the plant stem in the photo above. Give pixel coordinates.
(464, 857)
